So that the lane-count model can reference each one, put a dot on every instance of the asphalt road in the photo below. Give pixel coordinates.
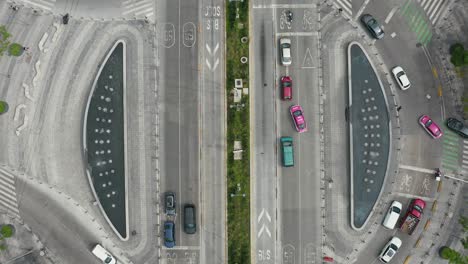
(293, 195)
(180, 117)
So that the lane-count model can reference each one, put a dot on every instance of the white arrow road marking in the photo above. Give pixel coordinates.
(264, 228)
(261, 215)
(216, 48)
(208, 64)
(208, 48)
(216, 64)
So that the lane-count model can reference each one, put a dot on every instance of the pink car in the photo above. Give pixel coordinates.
(298, 118)
(431, 127)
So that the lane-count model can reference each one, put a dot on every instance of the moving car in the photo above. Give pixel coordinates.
(285, 47)
(286, 88)
(401, 78)
(190, 222)
(373, 26)
(170, 203)
(390, 250)
(457, 126)
(393, 213)
(287, 150)
(413, 216)
(298, 118)
(430, 126)
(169, 234)
(103, 255)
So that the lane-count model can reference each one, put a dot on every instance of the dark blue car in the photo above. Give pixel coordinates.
(169, 234)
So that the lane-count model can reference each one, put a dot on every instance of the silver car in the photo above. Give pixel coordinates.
(285, 47)
(170, 203)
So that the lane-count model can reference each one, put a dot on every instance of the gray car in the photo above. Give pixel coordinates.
(457, 126)
(190, 222)
(373, 26)
(170, 203)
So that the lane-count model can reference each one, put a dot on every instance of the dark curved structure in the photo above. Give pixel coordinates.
(104, 140)
(370, 135)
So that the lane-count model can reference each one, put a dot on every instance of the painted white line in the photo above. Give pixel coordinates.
(297, 34)
(361, 9)
(431, 7)
(184, 248)
(426, 5)
(413, 168)
(407, 195)
(393, 35)
(465, 152)
(345, 5)
(146, 11)
(132, 10)
(465, 161)
(435, 10)
(264, 228)
(285, 6)
(465, 141)
(465, 166)
(46, 6)
(390, 15)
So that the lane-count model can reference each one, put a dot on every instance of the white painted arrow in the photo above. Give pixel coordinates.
(208, 48)
(216, 48)
(208, 64)
(216, 64)
(264, 228)
(261, 215)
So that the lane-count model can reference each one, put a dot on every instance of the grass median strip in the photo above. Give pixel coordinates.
(238, 171)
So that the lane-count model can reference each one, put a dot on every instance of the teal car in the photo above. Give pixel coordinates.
(287, 149)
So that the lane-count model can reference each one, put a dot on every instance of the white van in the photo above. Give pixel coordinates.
(393, 213)
(103, 255)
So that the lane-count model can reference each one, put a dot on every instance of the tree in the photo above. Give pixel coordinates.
(3, 107)
(6, 231)
(15, 49)
(453, 256)
(459, 56)
(464, 222)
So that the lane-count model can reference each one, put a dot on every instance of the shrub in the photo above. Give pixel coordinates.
(3, 107)
(3, 247)
(4, 36)
(6, 231)
(15, 49)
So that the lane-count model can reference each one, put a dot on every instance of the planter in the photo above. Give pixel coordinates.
(7, 231)
(3, 107)
(15, 49)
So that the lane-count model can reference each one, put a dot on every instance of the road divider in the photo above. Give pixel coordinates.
(434, 206)
(428, 223)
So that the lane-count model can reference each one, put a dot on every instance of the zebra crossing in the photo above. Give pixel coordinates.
(345, 6)
(138, 8)
(417, 21)
(47, 5)
(433, 8)
(8, 201)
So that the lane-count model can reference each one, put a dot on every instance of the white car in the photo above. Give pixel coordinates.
(390, 250)
(285, 47)
(103, 255)
(393, 213)
(401, 78)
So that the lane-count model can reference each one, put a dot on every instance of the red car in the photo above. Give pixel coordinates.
(430, 126)
(297, 115)
(286, 88)
(411, 220)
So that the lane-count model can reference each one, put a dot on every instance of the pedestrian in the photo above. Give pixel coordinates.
(398, 108)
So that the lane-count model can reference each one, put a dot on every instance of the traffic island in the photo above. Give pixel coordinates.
(238, 160)
(369, 135)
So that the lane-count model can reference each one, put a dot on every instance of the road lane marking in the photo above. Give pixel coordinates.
(413, 168)
(284, 6)
(390, 15)
(434, 72)
(412, 196)
(361, 9)
(297, 34)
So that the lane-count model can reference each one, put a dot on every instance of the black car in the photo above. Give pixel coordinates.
(170, 203)
(457, 126)
(373, 26)
(190, 223)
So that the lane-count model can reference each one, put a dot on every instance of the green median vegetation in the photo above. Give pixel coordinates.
(459, 56)
(238, 171)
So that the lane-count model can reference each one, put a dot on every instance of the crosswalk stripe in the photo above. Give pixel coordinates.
(451, 143)
(453, 154)
(419, 24)
(9, 204)
(43, 4)
(6, 190)
(465, 166)
(431, 7)
(426, 4)
(435, 10)
(128, 11)
(450, 160)
(427, 39)
(405, 7)
(449, 166)
(449, 148)
(345, 5)
(146, 11)
(423, 33)
(7, 180)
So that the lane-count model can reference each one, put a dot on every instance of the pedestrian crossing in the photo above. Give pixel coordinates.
(417, 21)
(139, 9)
(47, 5)
(344, 7)
(8, 201)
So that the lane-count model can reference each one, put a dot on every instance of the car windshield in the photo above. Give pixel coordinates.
(301, 126)
(287, 84)
(170, 201)
(297, 113)
(419, 209)
(429, 123)
(396, 210)
(108, 260)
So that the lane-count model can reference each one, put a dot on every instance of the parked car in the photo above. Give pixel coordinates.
(393, 213)
(169, 234)
(390, 250)
(413, 216)
(285, 47)
(373, 26)
(430, 126)
(103, 254)
(457, 126)
(190, 219)
(297, 115)
(170, 203)
(401, 78)
(286, 88)
(287, 149)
